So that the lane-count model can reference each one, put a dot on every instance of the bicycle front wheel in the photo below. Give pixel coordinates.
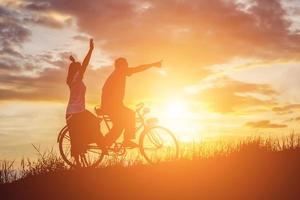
(91, 158)
(158, 144)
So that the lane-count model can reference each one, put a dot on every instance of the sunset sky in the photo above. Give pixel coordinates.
(231, 68)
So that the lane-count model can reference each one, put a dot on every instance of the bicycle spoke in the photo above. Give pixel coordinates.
(67, 137)
(94, 152)
(154, 139)
(158, 144)
(83, 160)
(68, 151)
(91, 158)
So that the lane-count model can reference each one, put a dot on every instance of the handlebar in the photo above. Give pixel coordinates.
(140, 111)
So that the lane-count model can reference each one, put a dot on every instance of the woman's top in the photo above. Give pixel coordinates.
(77, 95)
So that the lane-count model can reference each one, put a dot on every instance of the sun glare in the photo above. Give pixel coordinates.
(176, 109)
(177, 116)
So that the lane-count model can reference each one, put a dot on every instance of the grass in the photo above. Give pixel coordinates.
(7, 173)
(263, 166)
(47, 162)
(50, 161)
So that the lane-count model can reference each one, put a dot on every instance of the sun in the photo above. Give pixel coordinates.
(176, 109)
(176, 114)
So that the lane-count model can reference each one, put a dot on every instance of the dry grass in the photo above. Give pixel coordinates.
(47, 162)
(7, 173)
(50, 162)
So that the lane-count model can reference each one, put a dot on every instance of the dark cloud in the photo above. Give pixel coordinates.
(37, 6)
(14, 22)
(206, 31)
(50, 83)
(14, 64)
(47, 86)
(48, 21)
(43, 86)
(188, 35)
(8, 65)
(264, 124)
(47, 79)
(12, 32)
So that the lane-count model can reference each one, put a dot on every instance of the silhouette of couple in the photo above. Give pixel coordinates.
(83, 125)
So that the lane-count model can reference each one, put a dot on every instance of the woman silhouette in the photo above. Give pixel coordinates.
(83, 125)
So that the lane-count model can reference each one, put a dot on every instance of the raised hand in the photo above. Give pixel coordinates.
(158, 64)
(87, 58)
(91, 44)
(72, 58)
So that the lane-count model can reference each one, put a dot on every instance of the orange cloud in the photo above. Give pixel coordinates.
(199, 31)
(228, 95)
(265, 124)
(286, 109)
(188, 35)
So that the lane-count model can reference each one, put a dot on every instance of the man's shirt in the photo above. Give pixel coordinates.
(113, 91)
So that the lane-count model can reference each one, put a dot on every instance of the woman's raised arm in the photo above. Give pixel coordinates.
(87, 58)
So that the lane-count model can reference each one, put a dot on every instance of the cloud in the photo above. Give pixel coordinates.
(188, 35)
(264, 124)
(12, 32)
(203, 31)
(8, 65)
(287, 109)
(50, 83)
(14, 26)
(293, 119)
(37, 6)
(49, 21)
(230, 96)
(16, 84)
(48, 86)
(81, 38)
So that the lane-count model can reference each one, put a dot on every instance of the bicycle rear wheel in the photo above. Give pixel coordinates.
(91, 158)
(158, 144)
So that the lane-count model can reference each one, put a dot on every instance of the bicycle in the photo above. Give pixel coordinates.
(156, 143)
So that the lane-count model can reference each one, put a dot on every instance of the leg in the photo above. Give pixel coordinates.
(92, 126)
(75, 131)
(115, 132)
(129, 124)
(92, 132)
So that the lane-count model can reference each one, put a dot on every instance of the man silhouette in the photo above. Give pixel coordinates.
(113, 93)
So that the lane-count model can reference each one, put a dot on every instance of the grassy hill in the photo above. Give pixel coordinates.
(251, 171)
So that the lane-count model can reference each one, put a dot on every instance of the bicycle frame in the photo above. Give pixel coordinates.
(144, 128)
(140, 120)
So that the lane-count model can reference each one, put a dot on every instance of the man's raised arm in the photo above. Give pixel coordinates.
(87, 58)
(141, 68)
